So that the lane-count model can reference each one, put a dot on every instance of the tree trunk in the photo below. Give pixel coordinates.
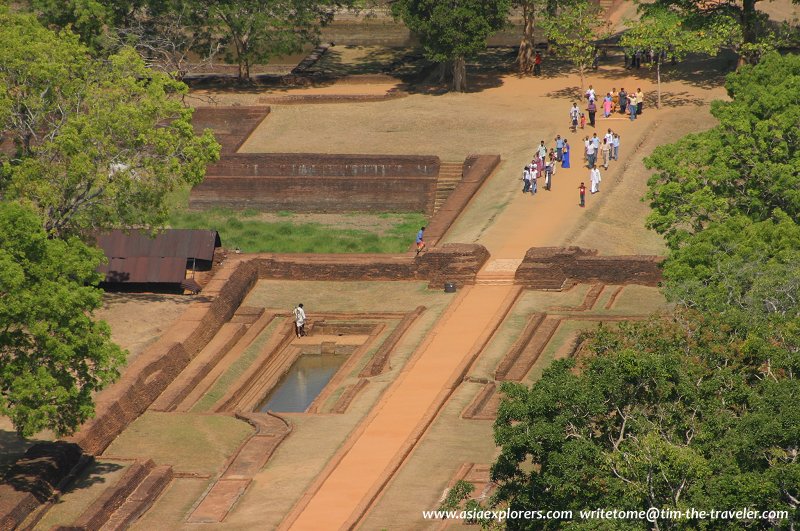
(527, 47)
(459, 74)
(748, 21)
(658, 83)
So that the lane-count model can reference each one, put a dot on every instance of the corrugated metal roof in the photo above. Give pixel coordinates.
(137, 257)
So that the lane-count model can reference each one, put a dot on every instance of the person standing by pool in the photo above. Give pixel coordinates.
(300, 320)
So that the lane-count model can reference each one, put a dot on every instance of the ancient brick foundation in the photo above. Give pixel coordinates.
(34, 478)
(559, 267)
(310, 182)
(477, 168)
(231, 125)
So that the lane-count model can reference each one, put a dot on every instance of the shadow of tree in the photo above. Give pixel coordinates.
(12, 447)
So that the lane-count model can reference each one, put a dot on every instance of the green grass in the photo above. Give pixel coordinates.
(238, 229)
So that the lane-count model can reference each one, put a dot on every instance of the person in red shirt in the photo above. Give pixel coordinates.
(582, 191)
(537, 64)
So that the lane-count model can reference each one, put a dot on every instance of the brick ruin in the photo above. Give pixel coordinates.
(313, 182)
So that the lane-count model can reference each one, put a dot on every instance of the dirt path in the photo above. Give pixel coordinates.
(377, 448)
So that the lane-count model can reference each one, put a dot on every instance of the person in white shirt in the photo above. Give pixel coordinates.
(541, 150)
(590, 94)
(300, 320)
(526, 179)
(615, 144)
(591, 154)
(594, 177)
(609, 136)
(574, 114)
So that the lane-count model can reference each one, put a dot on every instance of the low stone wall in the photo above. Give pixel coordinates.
(310, 182)
(34, 478)
(231, 125)
(154, 370)
(557, 267)
(477, 168)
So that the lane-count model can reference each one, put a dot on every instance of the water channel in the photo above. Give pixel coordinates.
(301, 385)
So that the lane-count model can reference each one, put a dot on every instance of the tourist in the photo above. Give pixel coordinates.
(565, 155)
(596, 142)
(614, 99)
(616, 146)
(549, 170)
(607, 104)
(574, 115)
(300, 320)
(583, 121)
(605, 150)
(632, 105)
(585, 148)
(582, 192)
(594, 177)
(537, 64)
(534, 180)
(526, 179)
(592, 110)
(591, 153)
(623, 100)
(639, 101)
(542, 150)
(590, 95)
(420, 240)
(559, 147)
(609, 137)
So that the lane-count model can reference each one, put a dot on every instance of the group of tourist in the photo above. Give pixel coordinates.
(543, 165)
(613, 102)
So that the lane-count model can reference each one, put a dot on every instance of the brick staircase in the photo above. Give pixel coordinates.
(123, 503)
(450, 174)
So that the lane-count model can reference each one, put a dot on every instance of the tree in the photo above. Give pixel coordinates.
(652, 416)
(663, 32)
(100, 142)
(254, 31)
(89, 19)
(574, 31)
(745, 165)
(747, 30)
(531, 9)
(452, 31)
(53, 356)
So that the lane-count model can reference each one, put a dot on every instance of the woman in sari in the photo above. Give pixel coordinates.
(565, 155)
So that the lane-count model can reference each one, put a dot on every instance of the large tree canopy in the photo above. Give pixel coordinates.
(99, 142)
(452, 31)
(748, 164)
(53, 355)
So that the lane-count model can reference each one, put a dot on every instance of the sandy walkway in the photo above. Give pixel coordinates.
(375, 451)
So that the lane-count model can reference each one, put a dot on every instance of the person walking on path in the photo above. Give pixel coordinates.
(607, 104)
(623, 100)
(614, 99)
(526, 179)
(594, 178)
(559, 147)
(592, 110)
(534, 180)
(549, 170)
(639, 101)
(609, 136)
(590, 94)
(574, 115)
(421, 240)
(537, 64)
(541, 150)
(565, 155)
(616, 146)
(632, 105)
(300, 320)
(582, 192)
(583, 121)
(591, 154)
(605, 150)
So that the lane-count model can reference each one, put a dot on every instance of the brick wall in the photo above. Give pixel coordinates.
(231, 125)
(310, 182)
(555, 267)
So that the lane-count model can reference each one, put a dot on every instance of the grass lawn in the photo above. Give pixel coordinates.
(287, 232)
